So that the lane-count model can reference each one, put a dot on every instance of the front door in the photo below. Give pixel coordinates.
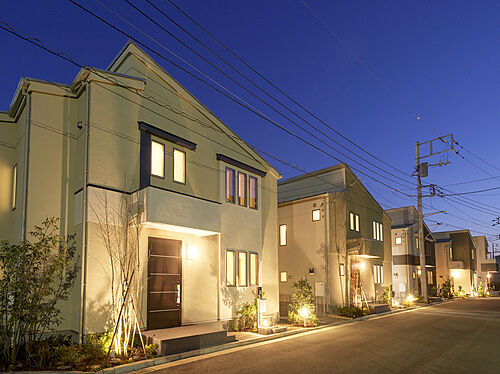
(164, 283)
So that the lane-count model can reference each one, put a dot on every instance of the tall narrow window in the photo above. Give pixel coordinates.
(179, 166)
(242, 189)
(242, 269)
(316, 215)
(374, 230)
(429, 277)
(451, 253)
(230, 269)
(157, 159)
(378, 274)
(417, 242)
(253, 192)
(14, 187)
(282, 234)
(351, 221)
(283, 276)
(342, 270)
(357, 222)
(230, 188)
(254, 269)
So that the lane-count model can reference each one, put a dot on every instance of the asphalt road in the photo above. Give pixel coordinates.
(462, 336)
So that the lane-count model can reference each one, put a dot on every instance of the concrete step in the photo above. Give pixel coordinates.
(378, 308)
(187, 338)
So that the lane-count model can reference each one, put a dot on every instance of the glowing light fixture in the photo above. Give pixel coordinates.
(362, 266)
(410, 298)
(419, 272)
(191, 252)
(488, 275)
(304, 313)
(454, 274)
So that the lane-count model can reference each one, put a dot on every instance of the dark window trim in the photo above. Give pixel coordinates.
(246, 270)
(143, 126)
(238, 188)
(256, 269)
(235, 260)
(164, 165)
(241, 165)
(14, 189)
(173, 166)
(312, 215)
(234, 185)
(256, 193)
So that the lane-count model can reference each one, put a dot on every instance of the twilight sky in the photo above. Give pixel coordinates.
(440, 60)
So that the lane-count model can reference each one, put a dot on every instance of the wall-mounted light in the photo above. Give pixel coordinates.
(190, 252)
(454, 274)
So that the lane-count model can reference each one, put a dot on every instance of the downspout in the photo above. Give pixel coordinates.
(85, 213)
(326, 204)
(26, 163)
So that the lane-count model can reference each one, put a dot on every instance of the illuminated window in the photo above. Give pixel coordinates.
(429, 277)
(473, 254)
(316, 215)
(253, 192)
(414, 275)
(230, 269)
(398, 240)
(417, 242)
(230, 182)
(14, 187)
(354, 222)
(179, 166)
(254, 269)
(342, 270)
(157, 159)
(451, 253)
(283, 276)
(282, 234)
(377, 231)
(242, 269)
(242, 189)
(378, 274)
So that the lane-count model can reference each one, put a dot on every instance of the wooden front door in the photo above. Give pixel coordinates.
(164, 283)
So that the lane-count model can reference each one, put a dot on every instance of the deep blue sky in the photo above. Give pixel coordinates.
(441, 58)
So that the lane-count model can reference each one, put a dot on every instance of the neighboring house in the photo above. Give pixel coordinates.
(206, 202)
(456, 259)
(486, 267)
(333, 233)
(406, 269)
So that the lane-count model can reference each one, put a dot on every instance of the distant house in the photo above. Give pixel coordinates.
(205, 201)
(406, 269)
(486, 267)
(456, 260)
(333, 233)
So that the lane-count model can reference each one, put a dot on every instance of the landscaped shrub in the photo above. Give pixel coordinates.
(446, 291)
(481, 292)
(95, 346)
(151, 350)
(434, 291)
(246, 317)
(386, 297)
(352, 311)
(460, 292)
(302, 306)
(409, 301)
(68, 355)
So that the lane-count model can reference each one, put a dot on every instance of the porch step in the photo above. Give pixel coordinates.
(378, 308)
(187, 338)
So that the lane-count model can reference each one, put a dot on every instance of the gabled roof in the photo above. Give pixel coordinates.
(130, 48)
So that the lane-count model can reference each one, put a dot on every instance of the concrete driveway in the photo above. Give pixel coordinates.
(462, 336)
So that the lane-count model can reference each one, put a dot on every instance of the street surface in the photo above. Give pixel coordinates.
(462, 336)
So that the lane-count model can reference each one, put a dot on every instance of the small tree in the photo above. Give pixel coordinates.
(302, 306)
(446, 290)
(35, 276)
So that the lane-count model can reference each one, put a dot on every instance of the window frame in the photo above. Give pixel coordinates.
(250, 178)
(13, 203)
(250, 283)
(234, 185)
(396, 240)
(378, 274)
(163, 160)
(173, 166)
(240, 284)
(354, 222)
(281, 276)
(234, 268)
(238, 189)
(286, 234)
(319, 212)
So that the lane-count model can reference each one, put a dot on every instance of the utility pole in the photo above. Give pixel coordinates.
(422, 171)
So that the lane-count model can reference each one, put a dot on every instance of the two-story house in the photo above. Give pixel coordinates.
(406, 269)
(205, 202)
(456, 259)
(333, 233)
(485, 266)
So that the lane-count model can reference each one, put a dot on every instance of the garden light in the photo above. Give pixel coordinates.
(410, 299)
(304, 313)
(395, 303)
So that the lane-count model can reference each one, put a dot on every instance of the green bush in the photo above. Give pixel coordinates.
(481, 292)
(95, 346)
(446, 290)
(434, 291)
(460, 292)
(352, 311)
(68, 355)
(246, 317)
(302, 299)
(386, 297)
(151, 350)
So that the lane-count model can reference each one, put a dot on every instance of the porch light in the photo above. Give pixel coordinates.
(488, 275)
(191, 252)
(419, 272)
(454, 274)
(362, 265)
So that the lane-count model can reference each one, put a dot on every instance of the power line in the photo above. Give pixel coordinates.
(471, 192)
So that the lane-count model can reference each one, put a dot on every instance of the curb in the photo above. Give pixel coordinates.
(139, 365)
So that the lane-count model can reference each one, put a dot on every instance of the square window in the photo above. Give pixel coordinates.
(230, 185)
(242, 269)
(283, 235)
(254, 269)
(242, 189)
(283, 277)
(253, 192)
(398, 240)
(316, 215)
(179, 166)
(230, 268)
(157, 159)
(14, 187)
